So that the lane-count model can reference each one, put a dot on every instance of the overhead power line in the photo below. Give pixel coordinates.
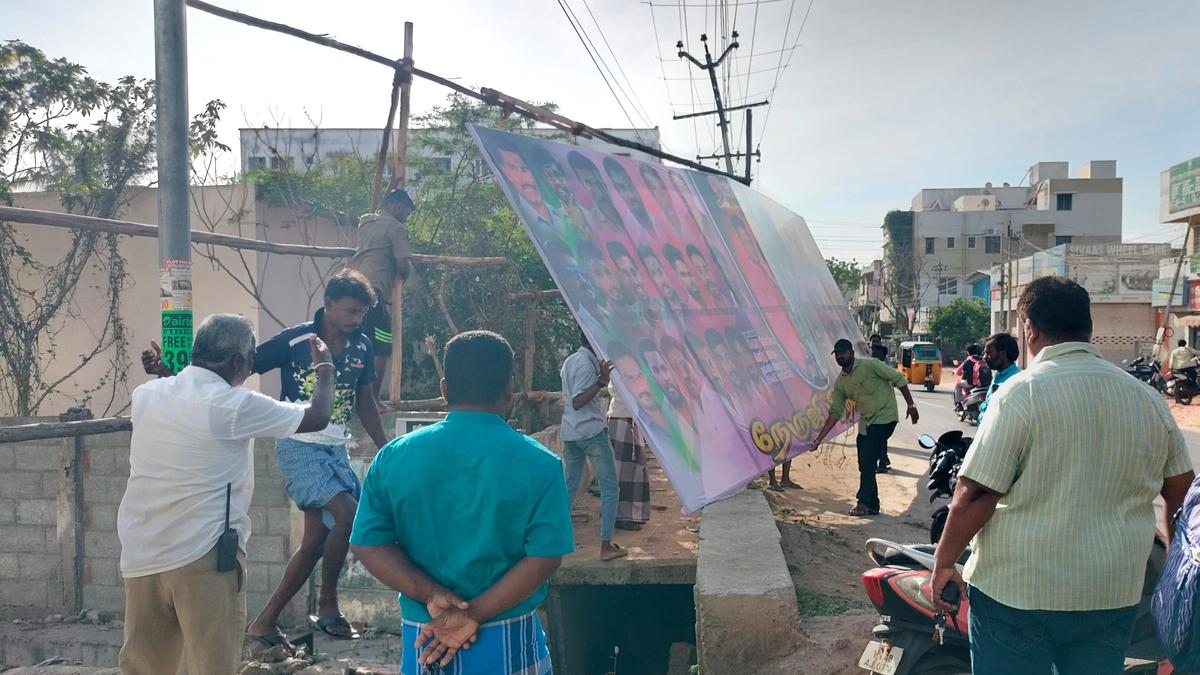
(636, 99)
(600, 69)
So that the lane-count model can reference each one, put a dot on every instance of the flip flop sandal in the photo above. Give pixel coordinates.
(323, 624)
(613, 555)
(270, 640)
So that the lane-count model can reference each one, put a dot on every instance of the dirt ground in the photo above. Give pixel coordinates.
(1186, 416)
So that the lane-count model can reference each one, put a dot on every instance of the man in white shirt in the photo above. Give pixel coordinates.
(191, 480)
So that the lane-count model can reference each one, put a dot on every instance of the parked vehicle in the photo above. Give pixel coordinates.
(921, 363)
(1184, 385)
(1147, 370)
(946, 456)
(903, 643)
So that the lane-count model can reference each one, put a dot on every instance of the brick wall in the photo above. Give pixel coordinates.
(31, 581)
(38, 527)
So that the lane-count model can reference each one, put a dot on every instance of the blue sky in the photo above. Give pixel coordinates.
(879, 99)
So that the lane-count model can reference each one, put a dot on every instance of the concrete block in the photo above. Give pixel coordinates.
(53, 483)
(21, 485)
(36, 566)
(746, 611)
(102, 572)
(37, 512)
(99, 461)
(9, 568)
(104, 489)
(279, 521)
(39, 458)
(8, 456)
(259, 579)
(116, 439)
(101, 544)
(100, 517)
(268, 548)
(22, 539)
(269, 493)
(104, 598)
(25, 593)
(258, 518)
(8, 511)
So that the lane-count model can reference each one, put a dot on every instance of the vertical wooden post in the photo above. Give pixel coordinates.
(530, 342)
(397, 361)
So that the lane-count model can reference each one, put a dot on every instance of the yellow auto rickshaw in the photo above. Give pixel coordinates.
(921, 363)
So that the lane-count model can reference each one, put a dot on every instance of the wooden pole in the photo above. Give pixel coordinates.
(383, 143)
(74, 221)
(530, 342)
(404, 80)
(40, 430)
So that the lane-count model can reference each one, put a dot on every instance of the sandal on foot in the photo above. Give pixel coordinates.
(270, 639)
(617, 552)
(323, 624)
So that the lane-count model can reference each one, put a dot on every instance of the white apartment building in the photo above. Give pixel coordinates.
(301, 148)
(958, 231)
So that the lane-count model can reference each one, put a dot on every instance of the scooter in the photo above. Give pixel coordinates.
(1184, 384)
(968, 408)
(946, 455)
(905, 641)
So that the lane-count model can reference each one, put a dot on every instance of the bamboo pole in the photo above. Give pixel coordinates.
(530, 343)
(404, 81)
(491, 96)
(43, 430)
(75, 221)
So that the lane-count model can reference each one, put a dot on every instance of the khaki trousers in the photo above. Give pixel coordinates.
(194, 612)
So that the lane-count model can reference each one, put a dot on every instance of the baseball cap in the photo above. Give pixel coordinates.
(842, 345)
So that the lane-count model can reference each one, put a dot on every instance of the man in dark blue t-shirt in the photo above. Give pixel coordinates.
(316, 465)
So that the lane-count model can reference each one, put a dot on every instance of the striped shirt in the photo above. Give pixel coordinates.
(1079, 450)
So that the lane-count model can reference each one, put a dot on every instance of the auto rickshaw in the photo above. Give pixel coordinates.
(921, 363)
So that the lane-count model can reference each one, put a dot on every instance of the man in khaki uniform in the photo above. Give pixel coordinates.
(384, 257)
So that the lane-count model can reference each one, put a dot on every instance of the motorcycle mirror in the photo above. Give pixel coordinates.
(926, 441)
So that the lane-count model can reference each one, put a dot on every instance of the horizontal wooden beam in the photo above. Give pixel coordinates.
(76, 221)
(43, 430)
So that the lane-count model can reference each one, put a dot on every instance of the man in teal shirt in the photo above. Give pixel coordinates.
(1000, 351)
(470, 557)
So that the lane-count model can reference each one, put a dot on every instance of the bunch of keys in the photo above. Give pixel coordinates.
(939, 628)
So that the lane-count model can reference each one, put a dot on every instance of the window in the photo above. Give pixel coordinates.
(1064, 202)
(256, 163)
(440, 165)
(949, 242)
(1062, 239)
(480, 167)
(278, 163)
(991, 244)
(947, 286)
(928, 245)
(970, 242)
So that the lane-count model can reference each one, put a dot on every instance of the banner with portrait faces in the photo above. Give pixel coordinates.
(713, 302)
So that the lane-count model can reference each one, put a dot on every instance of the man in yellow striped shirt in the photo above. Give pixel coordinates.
(1058, 492)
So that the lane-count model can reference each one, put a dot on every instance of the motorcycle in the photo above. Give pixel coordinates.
(946, 456)
(1148, 371)
(968, 408)
(905, 640)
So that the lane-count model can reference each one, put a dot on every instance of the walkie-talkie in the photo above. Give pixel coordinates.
(227, 545)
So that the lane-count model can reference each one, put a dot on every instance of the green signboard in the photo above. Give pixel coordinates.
(176, 339)
(1183, 186)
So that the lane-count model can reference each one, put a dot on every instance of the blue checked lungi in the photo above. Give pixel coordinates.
(515, 646)
(315, 474)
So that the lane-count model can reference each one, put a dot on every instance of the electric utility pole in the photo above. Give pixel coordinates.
(721, 111)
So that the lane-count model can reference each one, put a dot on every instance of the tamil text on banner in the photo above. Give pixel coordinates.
(712, 301)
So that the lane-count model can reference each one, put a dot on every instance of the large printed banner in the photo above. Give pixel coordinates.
(712, 301)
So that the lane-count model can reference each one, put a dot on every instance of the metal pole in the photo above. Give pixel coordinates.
(174, 170)
(1161, 333)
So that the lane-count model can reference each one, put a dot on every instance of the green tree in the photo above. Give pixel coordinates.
(846, 273)
(89, 141)
(461, 211)
(959, 323)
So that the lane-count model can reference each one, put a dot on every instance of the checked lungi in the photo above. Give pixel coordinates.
(629, 450)
(515, 646)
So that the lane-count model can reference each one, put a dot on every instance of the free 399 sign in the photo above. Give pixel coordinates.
(177, 339)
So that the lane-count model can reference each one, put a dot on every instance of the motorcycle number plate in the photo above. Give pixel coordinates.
(881, 658)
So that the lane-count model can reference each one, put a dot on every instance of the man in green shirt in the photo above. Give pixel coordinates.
(869, 383)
